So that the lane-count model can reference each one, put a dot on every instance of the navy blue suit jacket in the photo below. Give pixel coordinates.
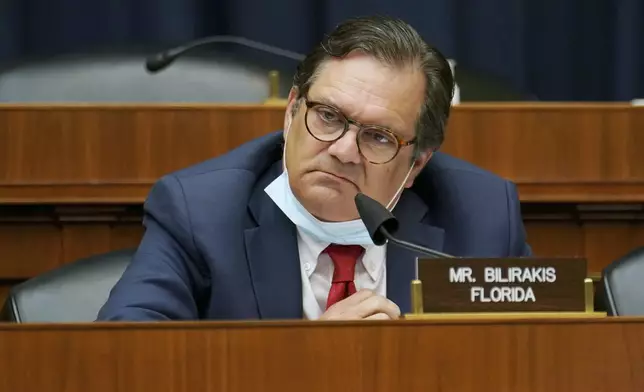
(217, 247)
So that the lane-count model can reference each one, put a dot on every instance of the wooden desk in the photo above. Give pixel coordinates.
(72, 178)
(496, 356)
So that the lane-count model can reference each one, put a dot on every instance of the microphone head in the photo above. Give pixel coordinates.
(158, 62)
(375, 217)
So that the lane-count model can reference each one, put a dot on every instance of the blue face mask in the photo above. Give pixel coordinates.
(343, 233)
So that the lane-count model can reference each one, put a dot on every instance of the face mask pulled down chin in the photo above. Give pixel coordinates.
(352, 232)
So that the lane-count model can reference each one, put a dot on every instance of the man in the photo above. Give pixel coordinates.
(270, 230)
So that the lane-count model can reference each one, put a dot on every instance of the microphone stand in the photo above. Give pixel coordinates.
(162, 60)
(417, 248)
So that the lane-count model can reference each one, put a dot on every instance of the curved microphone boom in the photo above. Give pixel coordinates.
(161, 60)
(383, 225)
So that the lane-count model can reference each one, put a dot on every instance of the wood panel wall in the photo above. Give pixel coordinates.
(72, 178)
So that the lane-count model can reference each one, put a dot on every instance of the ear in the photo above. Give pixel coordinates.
(419, 164)
(290, 108)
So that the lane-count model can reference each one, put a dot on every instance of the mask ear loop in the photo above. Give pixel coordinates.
(394, 199)
(286, 132)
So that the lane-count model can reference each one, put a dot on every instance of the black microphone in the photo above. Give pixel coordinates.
(162, 59)
(383, 225)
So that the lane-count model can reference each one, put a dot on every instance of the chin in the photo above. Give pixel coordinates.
(329, 204)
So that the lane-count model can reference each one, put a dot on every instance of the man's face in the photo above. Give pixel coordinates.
(326, 176)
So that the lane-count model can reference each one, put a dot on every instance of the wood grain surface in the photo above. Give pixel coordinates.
(113, 153)
(465, 356)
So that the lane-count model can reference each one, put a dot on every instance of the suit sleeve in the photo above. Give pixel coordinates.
(518, 245)
(166, 278)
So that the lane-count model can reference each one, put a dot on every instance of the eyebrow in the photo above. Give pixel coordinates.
(329, 102)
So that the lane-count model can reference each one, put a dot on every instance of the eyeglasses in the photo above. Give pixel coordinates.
(376, 144)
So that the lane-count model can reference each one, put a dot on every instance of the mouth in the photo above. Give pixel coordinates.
(337, 177)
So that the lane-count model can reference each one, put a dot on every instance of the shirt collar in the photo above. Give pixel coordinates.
(373, 259)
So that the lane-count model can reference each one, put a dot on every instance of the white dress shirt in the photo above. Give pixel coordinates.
(317, 273)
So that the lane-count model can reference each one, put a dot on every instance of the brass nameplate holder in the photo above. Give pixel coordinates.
(502, 288)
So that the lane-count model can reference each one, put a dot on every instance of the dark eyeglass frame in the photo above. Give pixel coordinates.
(349, 121)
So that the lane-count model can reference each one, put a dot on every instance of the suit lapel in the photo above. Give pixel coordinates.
(272, 251)
(401, 263)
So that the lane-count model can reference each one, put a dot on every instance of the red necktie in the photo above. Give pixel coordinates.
(344, 259)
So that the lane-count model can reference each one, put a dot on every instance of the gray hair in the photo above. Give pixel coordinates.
(393, 42)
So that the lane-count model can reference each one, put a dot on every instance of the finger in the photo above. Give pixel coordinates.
(356, 298)
(378, 316)
(377, 304)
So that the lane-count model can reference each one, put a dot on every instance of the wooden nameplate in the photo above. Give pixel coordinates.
(502, 288)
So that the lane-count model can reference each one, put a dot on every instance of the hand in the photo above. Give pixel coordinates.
(363, 305)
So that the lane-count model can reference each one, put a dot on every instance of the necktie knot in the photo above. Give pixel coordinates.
(344, 259)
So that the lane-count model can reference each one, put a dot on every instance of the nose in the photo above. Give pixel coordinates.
(346, 148)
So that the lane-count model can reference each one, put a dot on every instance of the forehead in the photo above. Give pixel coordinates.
(371, 92)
